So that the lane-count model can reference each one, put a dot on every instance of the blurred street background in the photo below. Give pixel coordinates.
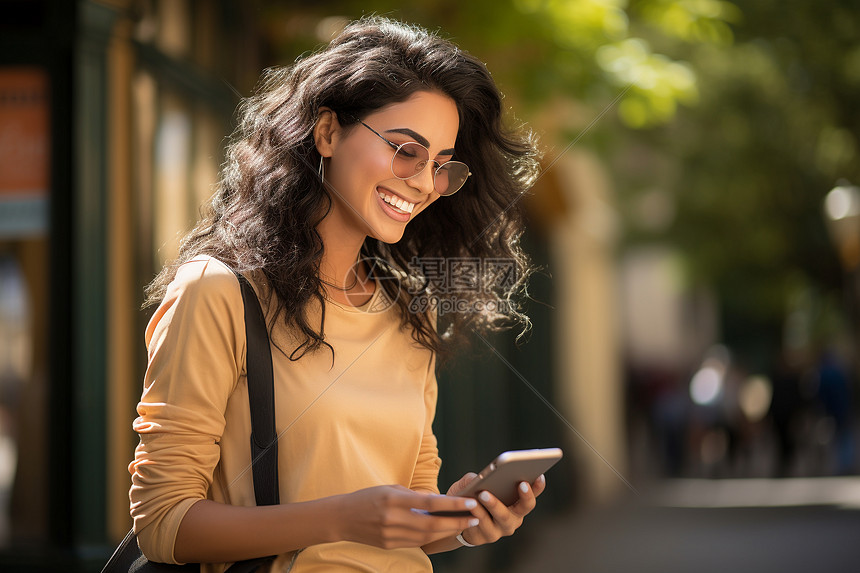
(696, 321)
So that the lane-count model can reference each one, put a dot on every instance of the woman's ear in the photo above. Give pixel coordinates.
(326, 131)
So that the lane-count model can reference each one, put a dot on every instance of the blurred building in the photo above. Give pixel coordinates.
(112, 115)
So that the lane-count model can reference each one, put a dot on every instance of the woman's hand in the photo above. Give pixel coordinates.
(394, 516)
(496, 519)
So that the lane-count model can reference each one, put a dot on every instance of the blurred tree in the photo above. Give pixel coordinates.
(537, 49)
(735, 176)
(747, 169)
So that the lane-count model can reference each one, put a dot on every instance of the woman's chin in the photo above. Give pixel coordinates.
(389, 237)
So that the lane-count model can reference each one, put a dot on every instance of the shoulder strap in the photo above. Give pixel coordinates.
(261, 395)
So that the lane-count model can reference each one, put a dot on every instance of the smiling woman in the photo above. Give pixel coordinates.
(354, 178)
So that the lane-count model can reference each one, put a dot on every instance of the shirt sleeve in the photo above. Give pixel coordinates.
(426, 474)
(196, 349)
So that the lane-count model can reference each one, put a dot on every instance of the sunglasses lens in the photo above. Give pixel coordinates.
(412, 158)
(409, 160)
(450, 177)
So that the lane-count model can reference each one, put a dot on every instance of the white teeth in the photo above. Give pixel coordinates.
(401, 204)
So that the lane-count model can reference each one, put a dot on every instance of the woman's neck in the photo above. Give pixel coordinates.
(343, 274)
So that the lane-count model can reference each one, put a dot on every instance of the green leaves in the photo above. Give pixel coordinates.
(601, 34)
(696, 21)
(658, 83)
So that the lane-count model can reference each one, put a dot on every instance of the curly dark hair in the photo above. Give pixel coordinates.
(270, 197)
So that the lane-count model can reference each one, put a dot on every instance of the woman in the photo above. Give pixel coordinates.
(337, 190)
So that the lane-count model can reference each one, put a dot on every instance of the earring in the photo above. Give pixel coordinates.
(322, 169)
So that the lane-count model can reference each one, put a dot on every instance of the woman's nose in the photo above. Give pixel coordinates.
(424, 181)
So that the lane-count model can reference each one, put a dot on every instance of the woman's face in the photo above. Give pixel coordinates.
(359, 174)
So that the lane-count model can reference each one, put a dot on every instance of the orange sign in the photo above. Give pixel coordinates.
(24, 132)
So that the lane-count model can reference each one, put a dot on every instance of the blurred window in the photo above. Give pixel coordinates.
(24, 184)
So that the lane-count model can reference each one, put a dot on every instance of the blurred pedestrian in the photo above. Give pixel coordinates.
(785, 409)
(834, 390)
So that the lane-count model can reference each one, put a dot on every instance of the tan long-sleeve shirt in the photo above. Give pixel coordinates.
(361, 421)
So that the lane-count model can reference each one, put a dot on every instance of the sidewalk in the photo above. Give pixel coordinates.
(702, 526)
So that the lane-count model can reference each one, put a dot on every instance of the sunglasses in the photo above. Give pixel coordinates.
(411, 158)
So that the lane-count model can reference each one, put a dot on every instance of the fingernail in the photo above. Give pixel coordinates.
(542, 478)
(524, 487)
(471, 504)
(473, 522)
(484, 496)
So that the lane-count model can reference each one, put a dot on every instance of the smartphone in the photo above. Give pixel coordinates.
(504, 474)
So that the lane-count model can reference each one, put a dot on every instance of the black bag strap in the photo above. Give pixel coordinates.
(261, 395)
(264, 442)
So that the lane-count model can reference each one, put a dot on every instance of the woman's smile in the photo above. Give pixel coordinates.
(395, 206)
(399, 203)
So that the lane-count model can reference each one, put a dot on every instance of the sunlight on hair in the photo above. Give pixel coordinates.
(330, 27)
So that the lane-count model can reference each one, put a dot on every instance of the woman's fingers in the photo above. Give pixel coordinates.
(447, 525)
(461, 484)
(409, 518)
(497, 520)
(442, 514)
(507, 519)
(393, 516)
(527, 500)
(539, 485)
(441, 504)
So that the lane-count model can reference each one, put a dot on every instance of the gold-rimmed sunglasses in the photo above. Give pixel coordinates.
(411, 158)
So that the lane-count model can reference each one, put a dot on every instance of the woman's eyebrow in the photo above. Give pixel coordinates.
(420, 139)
